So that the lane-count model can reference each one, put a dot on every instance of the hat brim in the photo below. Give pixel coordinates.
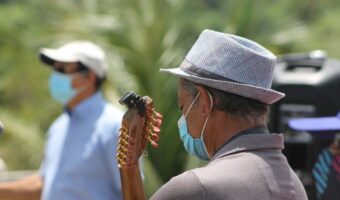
(267, 96)
(315, 124)
(49, 56)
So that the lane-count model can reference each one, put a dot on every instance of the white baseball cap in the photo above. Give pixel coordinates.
(85, 52)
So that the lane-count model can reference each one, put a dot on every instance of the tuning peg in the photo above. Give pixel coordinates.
(155, 137)
(157, 123)
(157, 115)
(153, 144)
(156, 130)
(122, 149)
(120, 160)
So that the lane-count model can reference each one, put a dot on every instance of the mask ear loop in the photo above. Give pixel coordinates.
(186, 114)
(205, 124)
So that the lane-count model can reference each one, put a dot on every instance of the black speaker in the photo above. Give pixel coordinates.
(311, 82)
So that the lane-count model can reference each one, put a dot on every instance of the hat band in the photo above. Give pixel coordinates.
(193, 70)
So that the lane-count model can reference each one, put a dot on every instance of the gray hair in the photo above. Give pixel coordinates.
(234, 105)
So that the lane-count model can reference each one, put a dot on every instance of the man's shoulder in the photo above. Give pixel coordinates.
(226, 168)
(185, 177)
(241, 166)
(265, 174)
(112, 113)
(181, 187)
(232, 173)
(62, 119)
(108, 123)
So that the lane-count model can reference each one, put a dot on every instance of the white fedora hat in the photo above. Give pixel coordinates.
(230, 63)
(85, 52)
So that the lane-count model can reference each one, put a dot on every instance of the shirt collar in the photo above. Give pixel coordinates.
(89, 105)
(250, 140)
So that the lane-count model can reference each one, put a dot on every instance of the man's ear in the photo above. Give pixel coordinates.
(92, 77)
(205, 102)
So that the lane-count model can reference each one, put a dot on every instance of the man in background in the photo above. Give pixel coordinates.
(80, 151)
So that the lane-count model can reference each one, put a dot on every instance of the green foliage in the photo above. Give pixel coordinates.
(324, 34)
(139, 36)
(22, 144)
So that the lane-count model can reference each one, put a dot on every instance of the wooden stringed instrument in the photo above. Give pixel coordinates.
(140, 125)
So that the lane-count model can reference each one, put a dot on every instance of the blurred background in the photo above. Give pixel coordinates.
(139, 36)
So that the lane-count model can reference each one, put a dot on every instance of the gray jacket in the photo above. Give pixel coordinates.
(249, 167)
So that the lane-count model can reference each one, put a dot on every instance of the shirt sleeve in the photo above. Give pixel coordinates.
(182, 187)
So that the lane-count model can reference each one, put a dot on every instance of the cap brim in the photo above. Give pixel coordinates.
(267, 96)
(315, 124)
(53, 55)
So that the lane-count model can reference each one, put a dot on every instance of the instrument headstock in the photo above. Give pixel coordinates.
(140, 125)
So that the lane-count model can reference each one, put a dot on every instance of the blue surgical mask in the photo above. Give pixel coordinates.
(61, 89)
(194, 146)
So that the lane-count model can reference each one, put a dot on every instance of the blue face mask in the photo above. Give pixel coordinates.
(61, 89)
(194, 146)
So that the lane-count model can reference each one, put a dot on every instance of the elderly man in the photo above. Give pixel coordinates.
(79, 159)
(224, 96)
